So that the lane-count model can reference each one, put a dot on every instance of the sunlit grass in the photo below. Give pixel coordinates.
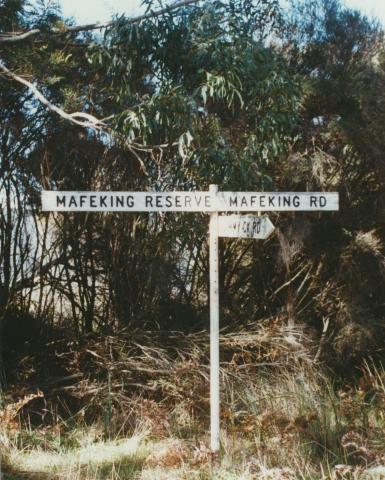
(103, 460)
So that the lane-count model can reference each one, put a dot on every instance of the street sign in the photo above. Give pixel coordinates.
(213, 201)
(65, 201)
(244, 226)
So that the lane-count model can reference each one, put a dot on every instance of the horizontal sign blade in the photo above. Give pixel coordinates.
(277, 201)
(66, 201)
(245, 226)
(126, 201)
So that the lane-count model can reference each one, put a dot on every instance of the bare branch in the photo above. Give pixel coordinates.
(11, 37)
(16, 36)
(85, 120)
(89, 120)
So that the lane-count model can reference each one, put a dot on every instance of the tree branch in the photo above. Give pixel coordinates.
(89, 120)
(11, 37)
(78, 118)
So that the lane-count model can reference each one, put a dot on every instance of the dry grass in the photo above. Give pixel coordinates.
(149, 374)
(142, 412)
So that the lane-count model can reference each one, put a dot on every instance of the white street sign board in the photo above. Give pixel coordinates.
(65, 201)
(244, 226)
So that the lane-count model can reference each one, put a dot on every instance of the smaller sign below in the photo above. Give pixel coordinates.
(244, 226)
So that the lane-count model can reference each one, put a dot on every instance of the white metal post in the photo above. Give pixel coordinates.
(214, 327)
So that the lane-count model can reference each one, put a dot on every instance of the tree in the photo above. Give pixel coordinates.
(336, 51)
(229, 92)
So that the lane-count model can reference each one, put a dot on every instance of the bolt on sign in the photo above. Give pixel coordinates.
(233, 226)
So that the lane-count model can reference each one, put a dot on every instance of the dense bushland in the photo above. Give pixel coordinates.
(239, 93)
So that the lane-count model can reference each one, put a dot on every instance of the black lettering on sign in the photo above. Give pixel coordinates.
(187, 201)
(322, 201)
(119, 201)
(262, 200)
(286, 201)
(148, 200)
(244, 201)
(72, 201)
(103, 200)
(198, 200)
(271, 201)
(82, 200)
(178, 201)
(313, 201)
(130, 201)
(207, 201)
(168, 201)
(296, 201)
(234, 201)
(158, 201)
(60, 201)
(253, 200)
(93, 201)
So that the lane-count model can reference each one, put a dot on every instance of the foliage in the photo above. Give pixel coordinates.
(220, 108)
(235, 92)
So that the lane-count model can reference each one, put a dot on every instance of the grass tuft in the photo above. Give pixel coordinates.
(280, 420)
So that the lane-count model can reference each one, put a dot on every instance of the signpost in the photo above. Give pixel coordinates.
(234, 226)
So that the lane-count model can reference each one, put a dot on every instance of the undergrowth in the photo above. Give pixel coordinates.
(126, 408)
